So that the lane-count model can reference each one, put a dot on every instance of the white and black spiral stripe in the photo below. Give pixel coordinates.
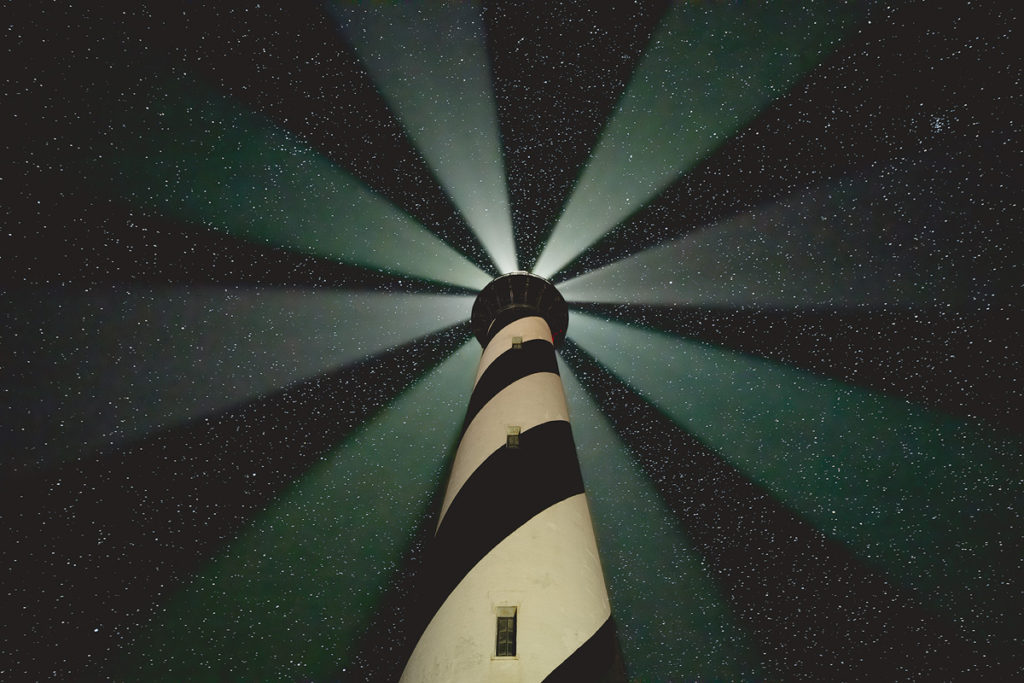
(515, 529)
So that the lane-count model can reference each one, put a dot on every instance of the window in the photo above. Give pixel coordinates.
(512, 437)
(506, 640)
(517, 342)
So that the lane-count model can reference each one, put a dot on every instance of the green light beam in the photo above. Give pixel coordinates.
(710, 68)
(926, 497)
(199, 156)
(669, 614)
(883, 239)
(129, 362)
(290, 597)
(431, 64)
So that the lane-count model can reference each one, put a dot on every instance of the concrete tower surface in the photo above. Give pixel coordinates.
(513, 585)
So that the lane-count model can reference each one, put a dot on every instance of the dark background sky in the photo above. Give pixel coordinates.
(239, 251)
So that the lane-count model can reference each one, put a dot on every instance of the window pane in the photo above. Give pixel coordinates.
(506, 640)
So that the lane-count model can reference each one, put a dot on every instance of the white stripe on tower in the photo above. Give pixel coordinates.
(553, 578)
(513, 588)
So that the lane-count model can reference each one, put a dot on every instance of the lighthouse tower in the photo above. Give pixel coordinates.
(513, 585)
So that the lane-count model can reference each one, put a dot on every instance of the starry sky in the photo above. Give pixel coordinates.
(240, 247)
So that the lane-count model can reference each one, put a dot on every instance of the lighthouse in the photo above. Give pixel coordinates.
(513, 588)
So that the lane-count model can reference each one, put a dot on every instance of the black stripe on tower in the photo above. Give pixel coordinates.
(537, 355)
(508, 489)
(597, 660)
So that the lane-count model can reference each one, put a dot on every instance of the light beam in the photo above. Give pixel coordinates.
(198, 156)
(710, 68)
(917, 493)
(270, 605)
(430, 63)
(655, 576)
(134, 361)
(878, 239)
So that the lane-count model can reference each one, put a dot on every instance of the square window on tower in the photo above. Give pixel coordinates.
(512, 437)
(506, 638)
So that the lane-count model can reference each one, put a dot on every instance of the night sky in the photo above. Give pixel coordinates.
(239, 251)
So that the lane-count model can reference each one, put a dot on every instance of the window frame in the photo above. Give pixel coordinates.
(507, 624)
